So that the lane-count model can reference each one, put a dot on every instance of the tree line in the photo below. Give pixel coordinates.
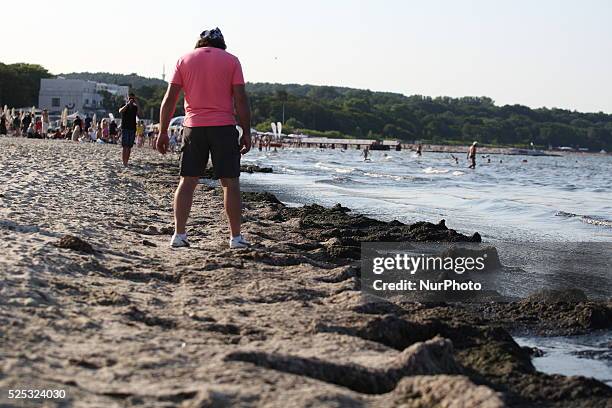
(363, 113)
(20, 84)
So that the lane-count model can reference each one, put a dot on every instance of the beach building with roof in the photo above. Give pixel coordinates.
(75, 94)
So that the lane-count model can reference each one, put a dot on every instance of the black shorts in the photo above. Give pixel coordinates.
(220, 142)
(127, 137)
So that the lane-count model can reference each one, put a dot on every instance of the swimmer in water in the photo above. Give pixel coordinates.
(472, 155)
(366, 153)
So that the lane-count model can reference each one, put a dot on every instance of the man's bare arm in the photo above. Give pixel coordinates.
(168, 106)
(241, 101)
(165, 114)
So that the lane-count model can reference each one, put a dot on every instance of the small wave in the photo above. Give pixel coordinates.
(431, 170)
(378, 175)
(340, 180)
(458, 173)
(588, 219)
(344, 170)
(287, 170)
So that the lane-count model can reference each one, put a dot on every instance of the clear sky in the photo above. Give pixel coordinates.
(534, 52)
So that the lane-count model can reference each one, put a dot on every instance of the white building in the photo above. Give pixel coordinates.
(76, 94)
(113, 89)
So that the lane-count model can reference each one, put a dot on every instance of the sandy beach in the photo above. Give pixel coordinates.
(116, 318)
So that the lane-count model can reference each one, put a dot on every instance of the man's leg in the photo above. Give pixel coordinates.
(125, 155)
(232, 203)
(183, 198)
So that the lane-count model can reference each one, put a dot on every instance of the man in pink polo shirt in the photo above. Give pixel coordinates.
(212, 82)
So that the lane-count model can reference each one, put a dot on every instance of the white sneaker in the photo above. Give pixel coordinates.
(238, 242)
(179, 240)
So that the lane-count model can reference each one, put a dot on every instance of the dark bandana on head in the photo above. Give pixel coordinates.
(214, 34)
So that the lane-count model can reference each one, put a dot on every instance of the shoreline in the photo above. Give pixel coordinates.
(135, 323)
(452, 148)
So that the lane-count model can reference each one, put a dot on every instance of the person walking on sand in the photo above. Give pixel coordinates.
(128, 127)
(45, 123)
(140, 133)
(213, 84)
(3, 130)
(472, 155)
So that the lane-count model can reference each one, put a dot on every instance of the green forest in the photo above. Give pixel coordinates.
(20, 83)
(363, 113)
(346, 112)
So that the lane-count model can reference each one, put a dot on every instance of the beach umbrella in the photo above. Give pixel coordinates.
(65, 117)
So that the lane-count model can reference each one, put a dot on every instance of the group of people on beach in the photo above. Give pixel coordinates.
(27, 124)
(24, 124)
(129, 133)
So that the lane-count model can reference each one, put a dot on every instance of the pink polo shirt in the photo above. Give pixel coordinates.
(206, 75)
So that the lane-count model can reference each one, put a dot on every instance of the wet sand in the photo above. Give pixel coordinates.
(132, 322)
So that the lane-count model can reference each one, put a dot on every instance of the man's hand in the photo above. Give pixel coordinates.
(163, 142)
(165, 113)
(245, 143)
(241, 101)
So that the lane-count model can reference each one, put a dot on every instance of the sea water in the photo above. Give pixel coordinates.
(588, 355)
(564, 199)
